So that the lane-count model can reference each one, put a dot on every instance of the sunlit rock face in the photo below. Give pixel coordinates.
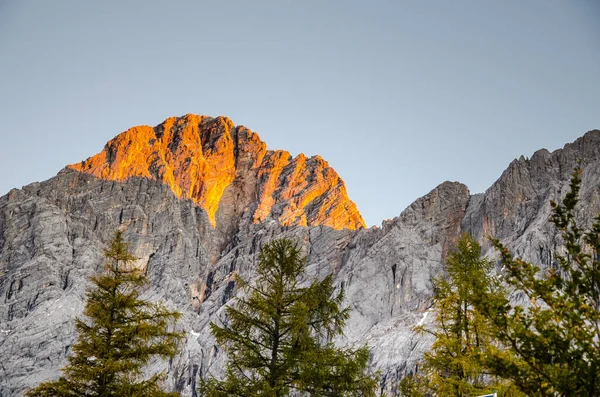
(220, 166)
(52, 235)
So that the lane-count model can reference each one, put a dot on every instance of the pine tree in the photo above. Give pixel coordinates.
(555, 341)
(118, 336)
(279, 336)
(462, 334)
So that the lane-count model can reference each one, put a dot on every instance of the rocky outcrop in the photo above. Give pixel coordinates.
(516, 208)
(52, 234)
(218, 165)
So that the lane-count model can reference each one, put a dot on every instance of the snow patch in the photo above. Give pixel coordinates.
(422, 320)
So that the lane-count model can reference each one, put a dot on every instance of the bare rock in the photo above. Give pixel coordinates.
(197, 198)
(214, 163)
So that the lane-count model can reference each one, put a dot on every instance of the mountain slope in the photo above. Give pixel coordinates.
(52, 234)
(216, 164)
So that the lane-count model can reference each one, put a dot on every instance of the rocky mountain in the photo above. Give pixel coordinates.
(218, 165)
(197, 197)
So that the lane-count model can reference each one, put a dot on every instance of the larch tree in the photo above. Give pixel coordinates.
(453, 366)
(554, 342)
(278, 336)
(118, 335)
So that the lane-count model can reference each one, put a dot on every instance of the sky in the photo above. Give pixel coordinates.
(398, 96)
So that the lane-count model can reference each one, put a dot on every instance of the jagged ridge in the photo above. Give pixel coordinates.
(52, 234)
(213, 162)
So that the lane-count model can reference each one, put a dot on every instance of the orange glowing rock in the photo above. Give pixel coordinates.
(223, 168)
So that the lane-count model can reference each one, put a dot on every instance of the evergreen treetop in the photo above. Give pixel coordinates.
(462, 334)
(279, 335)
(554, 343)
(118, 335)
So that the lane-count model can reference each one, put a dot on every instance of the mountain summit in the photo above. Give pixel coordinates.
(196, 198)
(228, 171)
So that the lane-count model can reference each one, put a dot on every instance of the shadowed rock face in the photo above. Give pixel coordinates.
(52, 234)
(218, 165)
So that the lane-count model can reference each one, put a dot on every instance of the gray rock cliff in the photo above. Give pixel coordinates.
(52, 234)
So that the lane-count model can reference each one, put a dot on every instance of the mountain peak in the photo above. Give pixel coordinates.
(217, 165)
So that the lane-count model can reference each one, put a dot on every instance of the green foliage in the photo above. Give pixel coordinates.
(117, 338)
(554, 343)
(462, 334)
(279, 336)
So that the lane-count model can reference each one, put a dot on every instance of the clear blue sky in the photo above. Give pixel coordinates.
(398, 96)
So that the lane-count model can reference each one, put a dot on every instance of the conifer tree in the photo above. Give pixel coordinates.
(462, 334)
(118, 336)
(279, 336)
(555, 341)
